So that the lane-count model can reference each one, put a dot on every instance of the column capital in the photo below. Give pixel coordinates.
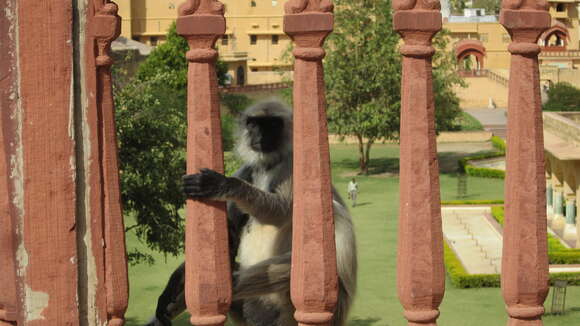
(201, 23)
(106, 28)
(308, 23)
(417, 22)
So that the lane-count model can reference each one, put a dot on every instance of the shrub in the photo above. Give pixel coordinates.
(557, 253)
(476, 171)
(498, 143)
(563, 97)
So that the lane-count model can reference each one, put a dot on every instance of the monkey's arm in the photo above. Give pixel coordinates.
(267, 207)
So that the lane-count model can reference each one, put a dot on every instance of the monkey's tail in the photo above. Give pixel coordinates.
(269, 276)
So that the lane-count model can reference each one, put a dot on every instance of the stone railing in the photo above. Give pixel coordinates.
(65, 261)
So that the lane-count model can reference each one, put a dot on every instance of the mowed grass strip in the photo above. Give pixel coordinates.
(376, 223)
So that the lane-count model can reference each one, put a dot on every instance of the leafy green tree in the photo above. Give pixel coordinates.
(563, 97)
(491, 7)
(363, 76)
(170, 57)
(152, 127)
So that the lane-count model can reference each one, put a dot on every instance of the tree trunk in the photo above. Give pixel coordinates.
(363, 162)
(370, 143)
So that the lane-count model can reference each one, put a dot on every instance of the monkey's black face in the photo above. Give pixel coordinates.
(265, 133)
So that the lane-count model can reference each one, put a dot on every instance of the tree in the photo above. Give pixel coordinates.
(363, 76)
(563, 97)
(151, 128)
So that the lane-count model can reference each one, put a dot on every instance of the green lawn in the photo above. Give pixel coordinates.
(375, 219)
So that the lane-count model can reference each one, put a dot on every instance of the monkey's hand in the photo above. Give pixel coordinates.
(208, 184)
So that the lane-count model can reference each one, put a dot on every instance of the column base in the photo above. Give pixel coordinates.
(558, 224)
(570, 233)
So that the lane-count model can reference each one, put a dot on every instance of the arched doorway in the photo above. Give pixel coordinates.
(241, 76)
(556, 38)
(470, 55)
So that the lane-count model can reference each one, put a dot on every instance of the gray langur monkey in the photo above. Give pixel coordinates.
(259, 197)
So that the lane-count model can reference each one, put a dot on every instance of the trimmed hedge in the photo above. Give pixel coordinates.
(498, 143)
(557, 253)
(459, 276)
(461, 279)
(473, 202)
(477, 171)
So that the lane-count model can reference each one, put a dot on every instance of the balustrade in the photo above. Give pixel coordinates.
(76, 207)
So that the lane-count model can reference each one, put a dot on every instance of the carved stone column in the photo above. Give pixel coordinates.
(107, 27)
(208, 275)
(313, 280)
(420, 270)
(525, 260)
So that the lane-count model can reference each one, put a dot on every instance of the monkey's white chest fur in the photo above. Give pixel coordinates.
(258, 241)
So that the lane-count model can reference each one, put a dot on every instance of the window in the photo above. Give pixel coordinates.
(252, 3)
(274, 39)
(253, 39)
(560, 7)
(225, 40)
(153, 40)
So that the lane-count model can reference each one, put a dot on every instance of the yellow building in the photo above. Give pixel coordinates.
(560, 44)
(255, 41)
(253, 45)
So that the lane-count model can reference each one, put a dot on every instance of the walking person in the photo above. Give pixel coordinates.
(352, 190)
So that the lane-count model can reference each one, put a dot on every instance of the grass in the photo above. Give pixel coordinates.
(468, 122)
(375, 219)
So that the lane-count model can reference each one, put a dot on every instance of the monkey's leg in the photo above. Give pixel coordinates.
(171, 302)
(270, 276)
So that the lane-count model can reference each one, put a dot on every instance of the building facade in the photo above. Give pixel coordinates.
(255, 43)
(253, 46)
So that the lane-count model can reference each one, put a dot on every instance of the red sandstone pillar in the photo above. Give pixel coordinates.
(208, 275)
(525, 260)
(313, 278)
(62, 247)
(106, 25)
(420, 270)
(9, 285)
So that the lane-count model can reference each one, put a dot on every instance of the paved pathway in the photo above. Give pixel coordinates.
(473, 238)
(476, 239)
(494, 120)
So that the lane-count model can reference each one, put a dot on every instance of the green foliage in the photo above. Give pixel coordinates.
(491, 6)
(467, 122)
(151, 126)
(169, 57)
(235, 103)
(363, 76)
(459, 276)
(457, 6)
(563, 97)
(498, 143)
(557, 252)
(151, 130)
(476, 171)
